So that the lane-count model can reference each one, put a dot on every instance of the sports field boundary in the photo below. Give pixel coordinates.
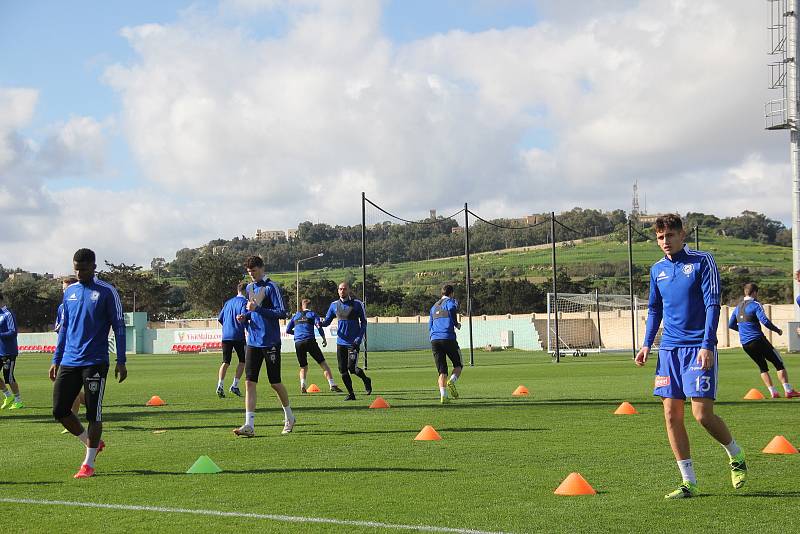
(247, 515)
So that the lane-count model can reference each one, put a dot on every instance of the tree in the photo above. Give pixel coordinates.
(212, 280)
(158, 265)
(34, 302)
(138, 290)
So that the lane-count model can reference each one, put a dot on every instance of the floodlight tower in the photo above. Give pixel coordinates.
(781, 114)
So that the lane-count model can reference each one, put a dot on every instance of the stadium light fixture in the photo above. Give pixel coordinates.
(297, 276)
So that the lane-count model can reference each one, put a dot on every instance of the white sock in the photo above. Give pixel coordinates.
(453, 378)
(331, 382)
(84, 437)
(772, 389)
(687, 470)
(732, 448)
(6, 393)
(221, 384)
(443, 391)
(91, 454)
(787, 387)
(287, 413)
(235, 383)
(249, 419)
(302, 382)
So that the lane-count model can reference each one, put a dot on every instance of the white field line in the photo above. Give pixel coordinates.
(271, 517)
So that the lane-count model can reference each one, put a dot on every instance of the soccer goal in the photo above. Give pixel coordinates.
(592, 323)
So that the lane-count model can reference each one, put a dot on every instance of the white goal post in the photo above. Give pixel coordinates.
(593, 322)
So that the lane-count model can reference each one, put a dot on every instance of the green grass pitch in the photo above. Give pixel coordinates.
(496, 468)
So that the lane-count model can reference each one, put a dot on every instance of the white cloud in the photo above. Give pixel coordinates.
(294, 125)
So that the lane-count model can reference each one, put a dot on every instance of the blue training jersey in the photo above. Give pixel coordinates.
(8, 333)
(232, 330)
(351, 325)
(685, 294)
(443, 319)
(302, 325)
(747, 319)
(263, 323)
(90, 311)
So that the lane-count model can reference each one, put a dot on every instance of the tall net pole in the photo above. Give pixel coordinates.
(555, 285)
(630, 283)
(364, 268)
(468, 282)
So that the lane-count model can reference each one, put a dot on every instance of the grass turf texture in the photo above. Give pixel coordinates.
(496, 468)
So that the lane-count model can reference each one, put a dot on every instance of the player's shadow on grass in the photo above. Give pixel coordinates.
(771, 494)
(294, 470)
(416, 430)
(39, 483)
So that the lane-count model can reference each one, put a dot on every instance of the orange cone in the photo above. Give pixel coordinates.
(521, 391)
(155, 400)
(428, 433)
(379, 403)
(626, 408)
(575, 484)
(780, 445)
(313, 388)
(754, 394)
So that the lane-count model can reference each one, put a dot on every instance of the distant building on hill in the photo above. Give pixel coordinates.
(270, 235)
(220, 249)
(457, 230)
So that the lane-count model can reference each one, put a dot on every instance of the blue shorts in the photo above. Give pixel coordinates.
(679, 375)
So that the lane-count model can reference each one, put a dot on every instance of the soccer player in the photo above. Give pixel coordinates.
(350, 331)
(264, 310)
(301, 325)
(232, 339)
(685, 293)
(8, 357)
(80, 399)
(747, 318)
(91, 308)
(442, 324)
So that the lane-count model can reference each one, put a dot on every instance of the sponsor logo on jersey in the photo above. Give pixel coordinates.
(662, 381)
(662, 275)
(688, 268)
(94, 296)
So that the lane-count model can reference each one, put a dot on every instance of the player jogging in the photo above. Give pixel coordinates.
(442, 324)
(351, 327)
(685, 293)
(747, 318)
(8, 357)
(232, 339)
(301, 325)
(264, 310)
(80, 399)
(91, 308)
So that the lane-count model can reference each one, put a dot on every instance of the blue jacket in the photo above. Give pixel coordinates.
(351, 320)
(302, 326)
(263, 324)
(684, 292)
(8, 333)
(232, 330)
(59, 317)
(90, 311)
(443, 319)
(747, 318)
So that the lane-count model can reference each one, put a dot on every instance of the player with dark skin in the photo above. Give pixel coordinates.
(84, 271)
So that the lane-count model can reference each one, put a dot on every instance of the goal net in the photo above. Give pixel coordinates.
(591, 323)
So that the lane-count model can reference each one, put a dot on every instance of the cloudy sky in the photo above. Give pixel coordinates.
(138, 128)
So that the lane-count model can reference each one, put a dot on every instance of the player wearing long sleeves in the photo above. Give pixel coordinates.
(232, 339)
(91, 309)
(442, 323)
(301, 326)
(351, 327)
(265, 309)
(8, 358)
(747, 318)
(685, 295)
